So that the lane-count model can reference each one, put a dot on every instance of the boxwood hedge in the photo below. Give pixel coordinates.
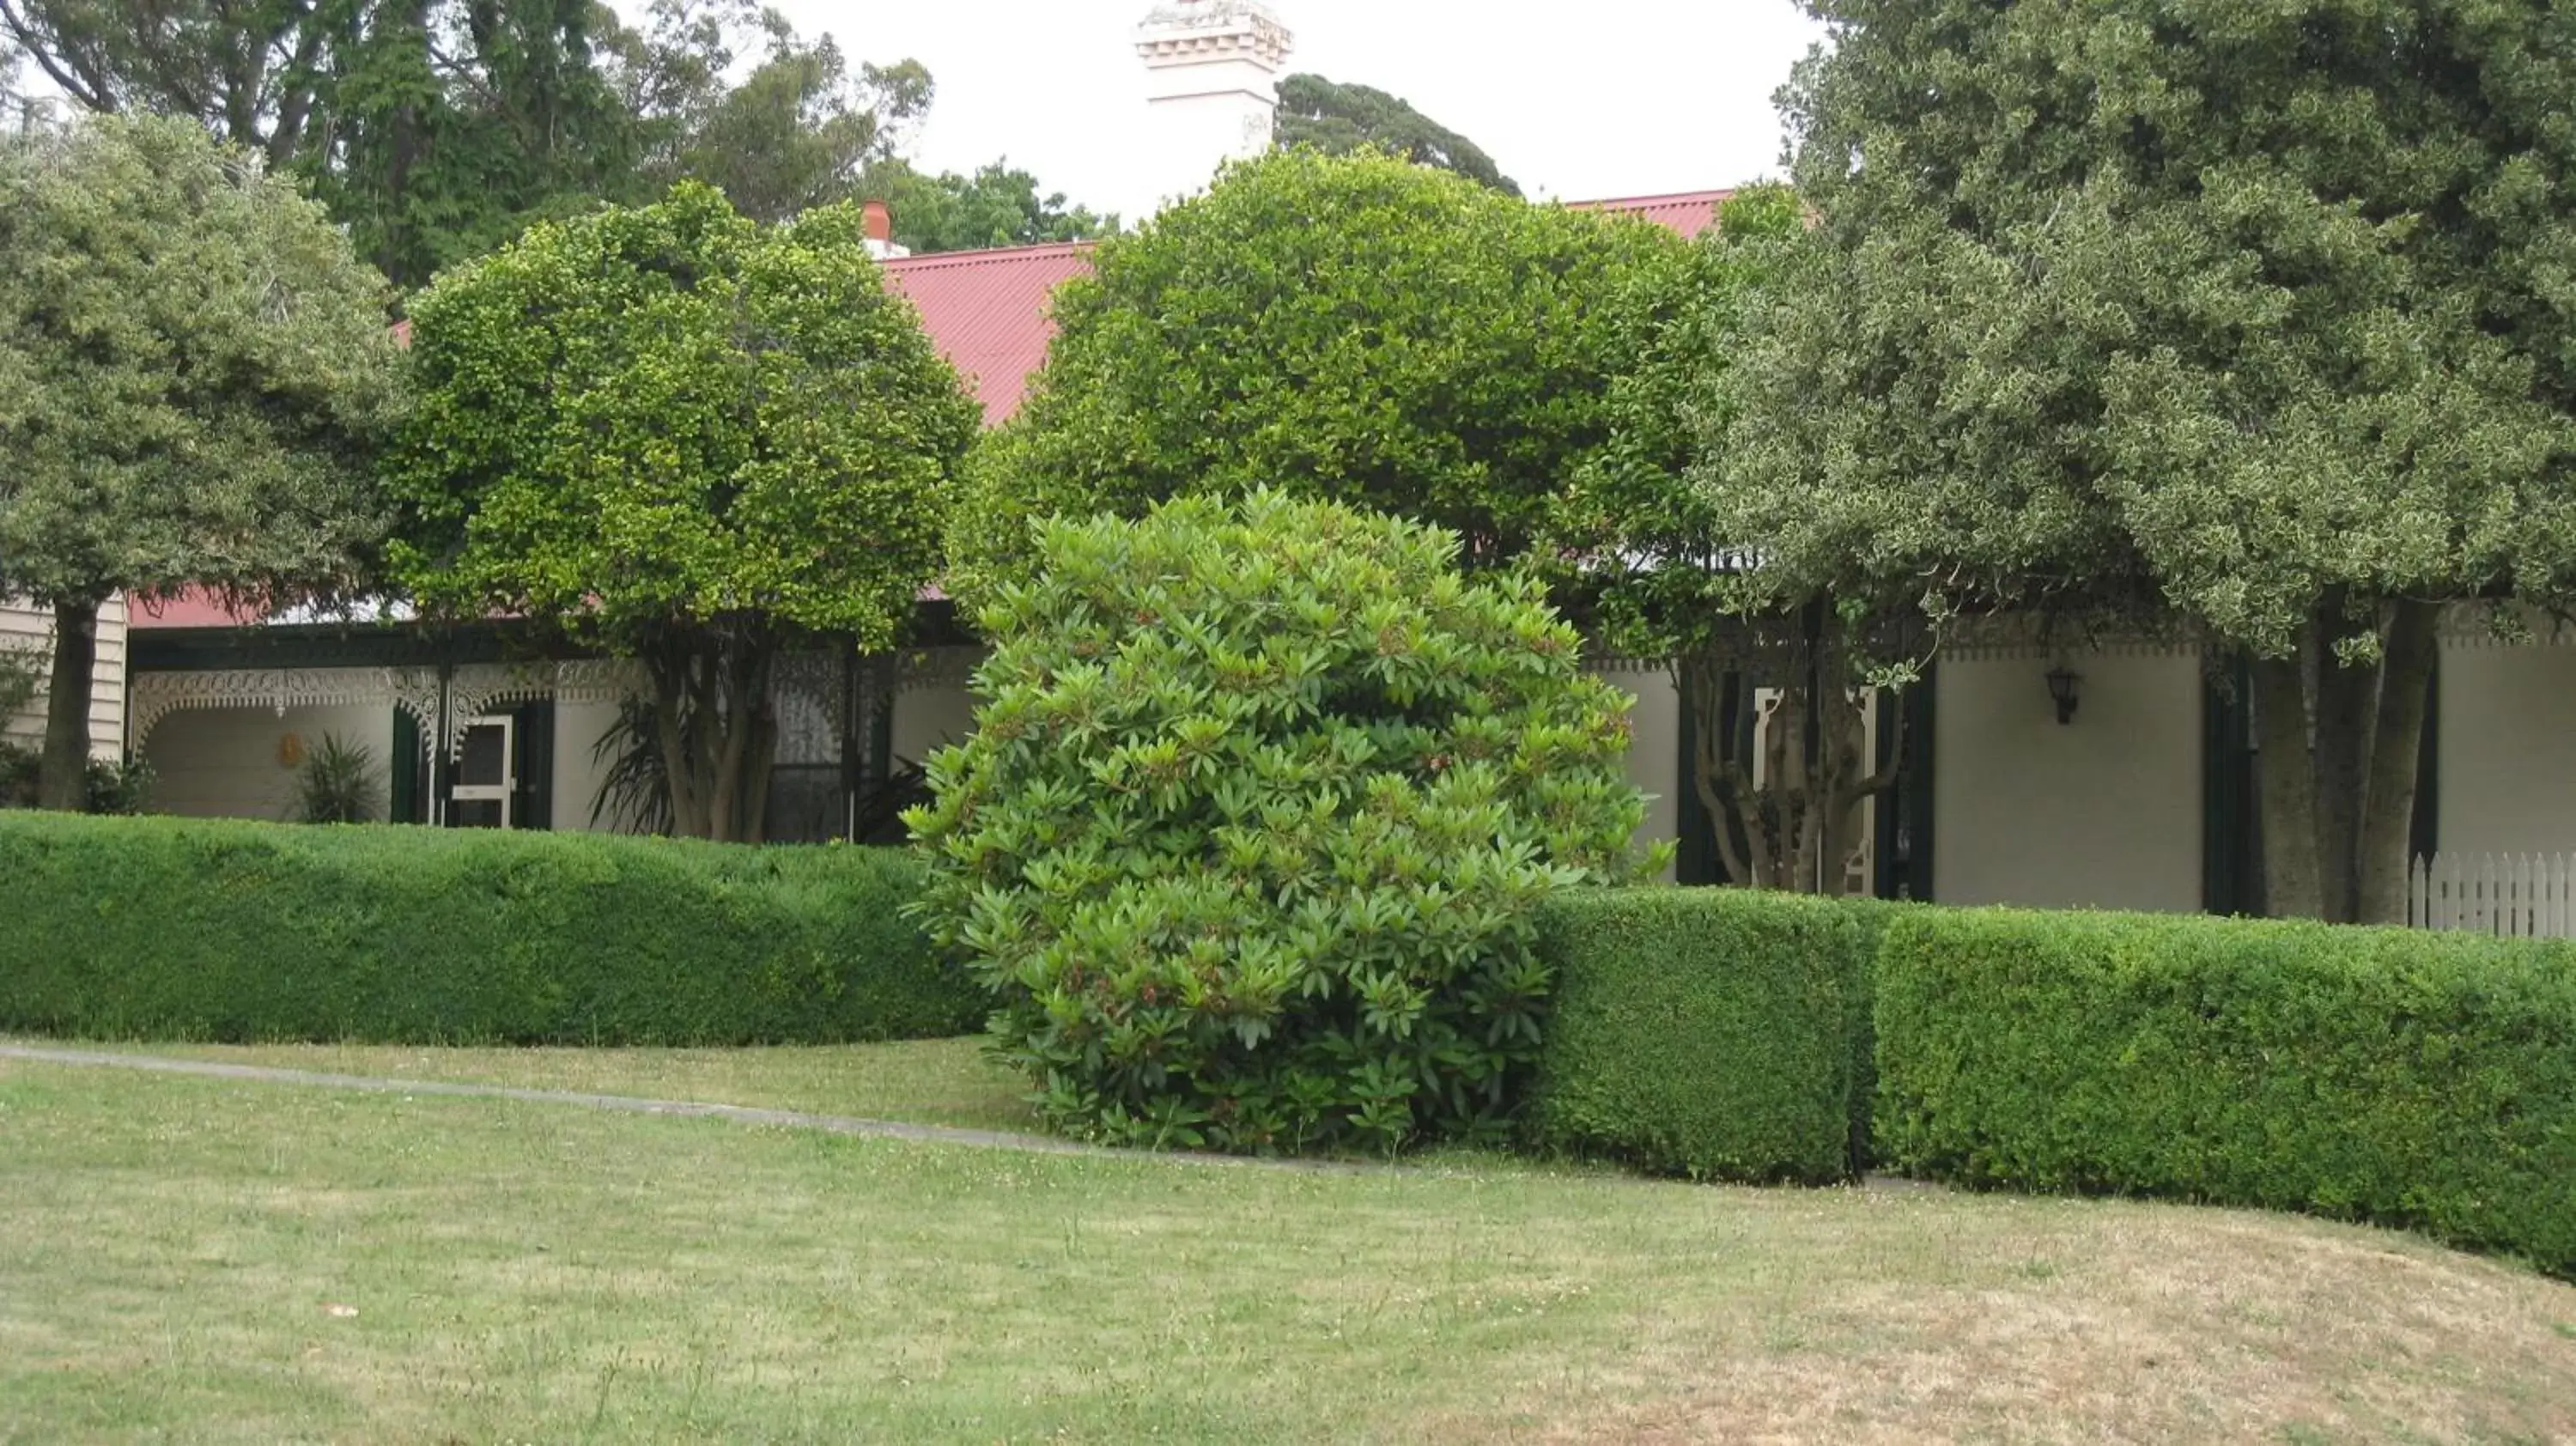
(2414, 1079)
(1721, 1033)
(228, 930)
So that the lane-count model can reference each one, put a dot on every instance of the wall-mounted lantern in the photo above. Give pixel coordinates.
(2062, 684)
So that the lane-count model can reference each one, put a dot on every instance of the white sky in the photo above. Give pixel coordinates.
(1578, 101)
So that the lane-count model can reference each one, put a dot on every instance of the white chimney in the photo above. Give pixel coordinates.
(1212, 86)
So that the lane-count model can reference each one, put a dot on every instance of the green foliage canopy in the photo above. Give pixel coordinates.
(1644, 531)
(799, 129)
(1356, 328)
(1659, 542)
(671, 413)
(431, 128)
(193, 372)
(2222, 307)
(1258, 803)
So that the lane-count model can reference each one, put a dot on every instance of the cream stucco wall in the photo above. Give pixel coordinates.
(225, 762)
(2103, 812)
(1654, 749)
(578, 727)
(926, 719)
(2506, 754)
(28, 631)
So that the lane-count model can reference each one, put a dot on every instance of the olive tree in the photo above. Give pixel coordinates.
(195, 374)
(2245, 314)
(693, 437)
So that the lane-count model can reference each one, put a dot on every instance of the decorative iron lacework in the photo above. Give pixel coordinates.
(155, 696)
(808, 693)
(937, 668)
(811, 685)
(811, 693)
(469, 691)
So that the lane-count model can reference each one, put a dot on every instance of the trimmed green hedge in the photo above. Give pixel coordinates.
(2414, 1079)
(226, 930)
(1709, 1032)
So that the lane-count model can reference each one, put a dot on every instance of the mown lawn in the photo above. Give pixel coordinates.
(925, 1082)
(209, 1260)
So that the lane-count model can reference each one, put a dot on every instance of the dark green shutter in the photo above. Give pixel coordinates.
(2424, 833)
(532, 802)
(2231, 849)
(405, 770)
(1906, 827)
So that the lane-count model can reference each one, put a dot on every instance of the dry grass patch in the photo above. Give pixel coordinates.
(172, 1252)
(925, 1082)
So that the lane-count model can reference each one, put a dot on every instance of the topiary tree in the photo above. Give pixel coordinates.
(1258, 803)
(1356, 328)
(694, 437)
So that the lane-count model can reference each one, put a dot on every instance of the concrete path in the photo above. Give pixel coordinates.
(631, 1104)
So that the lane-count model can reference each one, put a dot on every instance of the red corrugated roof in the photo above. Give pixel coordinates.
(194, 608)
(1689, 212)
(987, 312)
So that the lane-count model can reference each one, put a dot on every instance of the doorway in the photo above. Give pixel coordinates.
(486, 775)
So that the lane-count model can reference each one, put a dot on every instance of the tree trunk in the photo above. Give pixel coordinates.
(62, 779)
(712, 721)
(2397, 739)
(1798, 827)
(2340, 724)
(2338, 773)
(2287, 781)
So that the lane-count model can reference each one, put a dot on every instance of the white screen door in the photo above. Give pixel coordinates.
(480, 796)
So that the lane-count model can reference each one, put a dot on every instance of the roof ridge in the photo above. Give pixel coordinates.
(929, 260)
(1699, 195)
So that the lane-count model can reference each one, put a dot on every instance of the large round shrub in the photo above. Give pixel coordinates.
(1258, 805)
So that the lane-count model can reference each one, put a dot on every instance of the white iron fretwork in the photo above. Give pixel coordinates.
(155, 696)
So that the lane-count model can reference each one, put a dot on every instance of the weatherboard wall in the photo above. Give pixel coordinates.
(29, 630)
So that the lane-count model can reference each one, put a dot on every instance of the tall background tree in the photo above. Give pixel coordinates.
(1339, 119)
(1354, 328)
(2245, 314)
(194, 376)
(726, 92)
(437, 128)
(20, 109)
(693, 438)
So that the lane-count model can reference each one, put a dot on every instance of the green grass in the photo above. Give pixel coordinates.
(216, 1261)
(926, 1082)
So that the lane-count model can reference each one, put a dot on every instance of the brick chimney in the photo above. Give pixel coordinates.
(877, 220)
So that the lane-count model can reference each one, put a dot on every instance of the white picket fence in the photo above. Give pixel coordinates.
(2518, 896)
